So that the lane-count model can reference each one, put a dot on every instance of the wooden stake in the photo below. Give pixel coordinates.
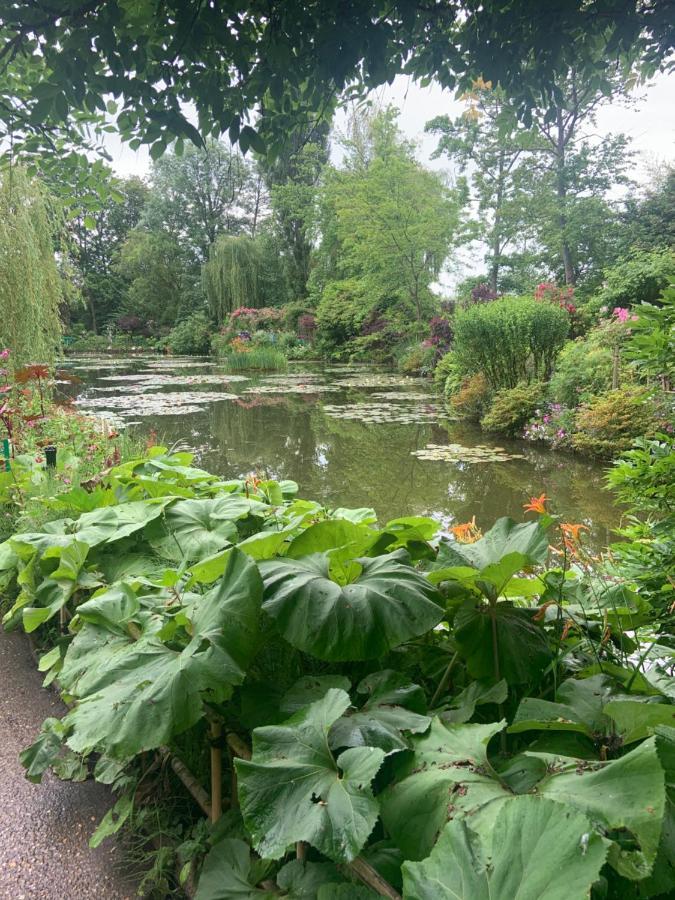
(373, 879)
(216, 732)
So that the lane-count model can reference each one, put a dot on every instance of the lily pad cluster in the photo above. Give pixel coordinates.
(409, 716)
(382, 412)
(458, 453)
(157, 404)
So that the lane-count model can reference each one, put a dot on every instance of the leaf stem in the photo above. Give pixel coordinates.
(370, 876)
(445, 680)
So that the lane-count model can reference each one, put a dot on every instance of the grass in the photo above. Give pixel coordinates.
(261, 358)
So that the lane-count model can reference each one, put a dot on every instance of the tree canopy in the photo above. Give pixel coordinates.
(289, 61)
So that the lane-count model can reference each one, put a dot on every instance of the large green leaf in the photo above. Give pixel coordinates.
(138, 694)
(294, 789)
(463, 706)
(226, 874)
(578, 707)
(385, 604)
(193, 529)
(635, 719)
(393, 706)
(523, 650)
(448, 775)
(625, 798)
(539, 851)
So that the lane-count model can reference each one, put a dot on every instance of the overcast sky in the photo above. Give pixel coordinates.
(650, 123)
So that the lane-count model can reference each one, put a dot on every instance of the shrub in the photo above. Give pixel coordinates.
(239, 355)
(418, 359)
(292, 312)
(472, 398)
(192, 336)
(640, 278)
(447, 376)
(583, 369)
(510, 340)
(552, 425)
(610, 422)
(512, 408)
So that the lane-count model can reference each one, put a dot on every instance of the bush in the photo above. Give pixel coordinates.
(640, 278)
(472, 398)
(510, 340)
(583, 369)
(610, 422)
(512, 408)
(553, 425)
(417, 360)
(447, 376)
(238, 355)
(192, 336)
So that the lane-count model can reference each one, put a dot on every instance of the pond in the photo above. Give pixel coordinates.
(349, 435)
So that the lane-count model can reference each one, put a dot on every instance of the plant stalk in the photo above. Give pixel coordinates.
(444, 682)
(216, 772)
(370, 876)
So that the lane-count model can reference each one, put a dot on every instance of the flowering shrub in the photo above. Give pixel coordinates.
(551, 425)
(246, 317)
(511, 408)
(441, 333)
(483, 293)
(472, 399)
(307, 326)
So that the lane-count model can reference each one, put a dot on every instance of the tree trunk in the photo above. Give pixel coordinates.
(495, 265)
(92, 312)
(561, 191)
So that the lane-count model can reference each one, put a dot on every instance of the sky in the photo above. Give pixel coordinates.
(650, 122)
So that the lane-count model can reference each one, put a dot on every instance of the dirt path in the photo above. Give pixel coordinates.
(44, 828)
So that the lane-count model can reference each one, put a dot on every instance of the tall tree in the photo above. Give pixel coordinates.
(31, 286)
(395, 220)
(293, 180)
(199, 195)
(97, 237)
(486, 144)
(649, 220)
(572, 174)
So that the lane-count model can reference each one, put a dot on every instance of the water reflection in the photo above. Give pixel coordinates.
(348, 462)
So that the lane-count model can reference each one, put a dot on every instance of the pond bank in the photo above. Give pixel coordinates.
(45, 828)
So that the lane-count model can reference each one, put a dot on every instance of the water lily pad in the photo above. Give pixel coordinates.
(458, 453)
(382, 413)
(160, 404)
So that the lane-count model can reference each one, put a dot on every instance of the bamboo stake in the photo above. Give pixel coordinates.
(373, 879)
(193, 786)
(239, 748)
(216, 772)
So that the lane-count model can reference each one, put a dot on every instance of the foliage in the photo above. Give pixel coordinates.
(648, 221)
(552, 425)
(447, 376)
(651, 348)
(32, 288)
(510, 340)
(188, 599)
(159, 289)
(472, 398)
(418, 359)
(192, 336)
(511, 408)
(237, 354)
(609, 422)
(393, 221)
(583, 368)
(639, 278)
(229, 74)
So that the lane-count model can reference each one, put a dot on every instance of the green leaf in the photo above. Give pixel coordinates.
(526, 539)
(416, 808)
(476, 694)
(294, 789)
(522, 644)
(330, 535)
(539, 851)
(304, 879)
(578, 707)
(625, 797)
(112, 608)
(309, 689)
(394, 706)
(141, 693)
(45, 751)
(636, 720)
(193, 529)
(113, 820)
(385, 604)
(226, 874)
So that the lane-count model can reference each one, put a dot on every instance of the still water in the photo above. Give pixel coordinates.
(349, 435)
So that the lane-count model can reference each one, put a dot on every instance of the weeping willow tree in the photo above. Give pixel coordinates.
(31, 285)
(232, 275)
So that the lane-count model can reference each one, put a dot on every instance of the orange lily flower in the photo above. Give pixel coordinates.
(572, 532)
(467, 532)
(536, 504)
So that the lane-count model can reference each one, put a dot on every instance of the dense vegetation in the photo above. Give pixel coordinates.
(415, 697)
(358, 709)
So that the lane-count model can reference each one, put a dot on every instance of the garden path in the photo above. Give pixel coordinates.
(44, 828)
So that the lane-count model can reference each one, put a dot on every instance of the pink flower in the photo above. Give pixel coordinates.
(4, 354)
(620, 313)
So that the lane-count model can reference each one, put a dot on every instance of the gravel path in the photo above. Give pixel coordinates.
(44, 828)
